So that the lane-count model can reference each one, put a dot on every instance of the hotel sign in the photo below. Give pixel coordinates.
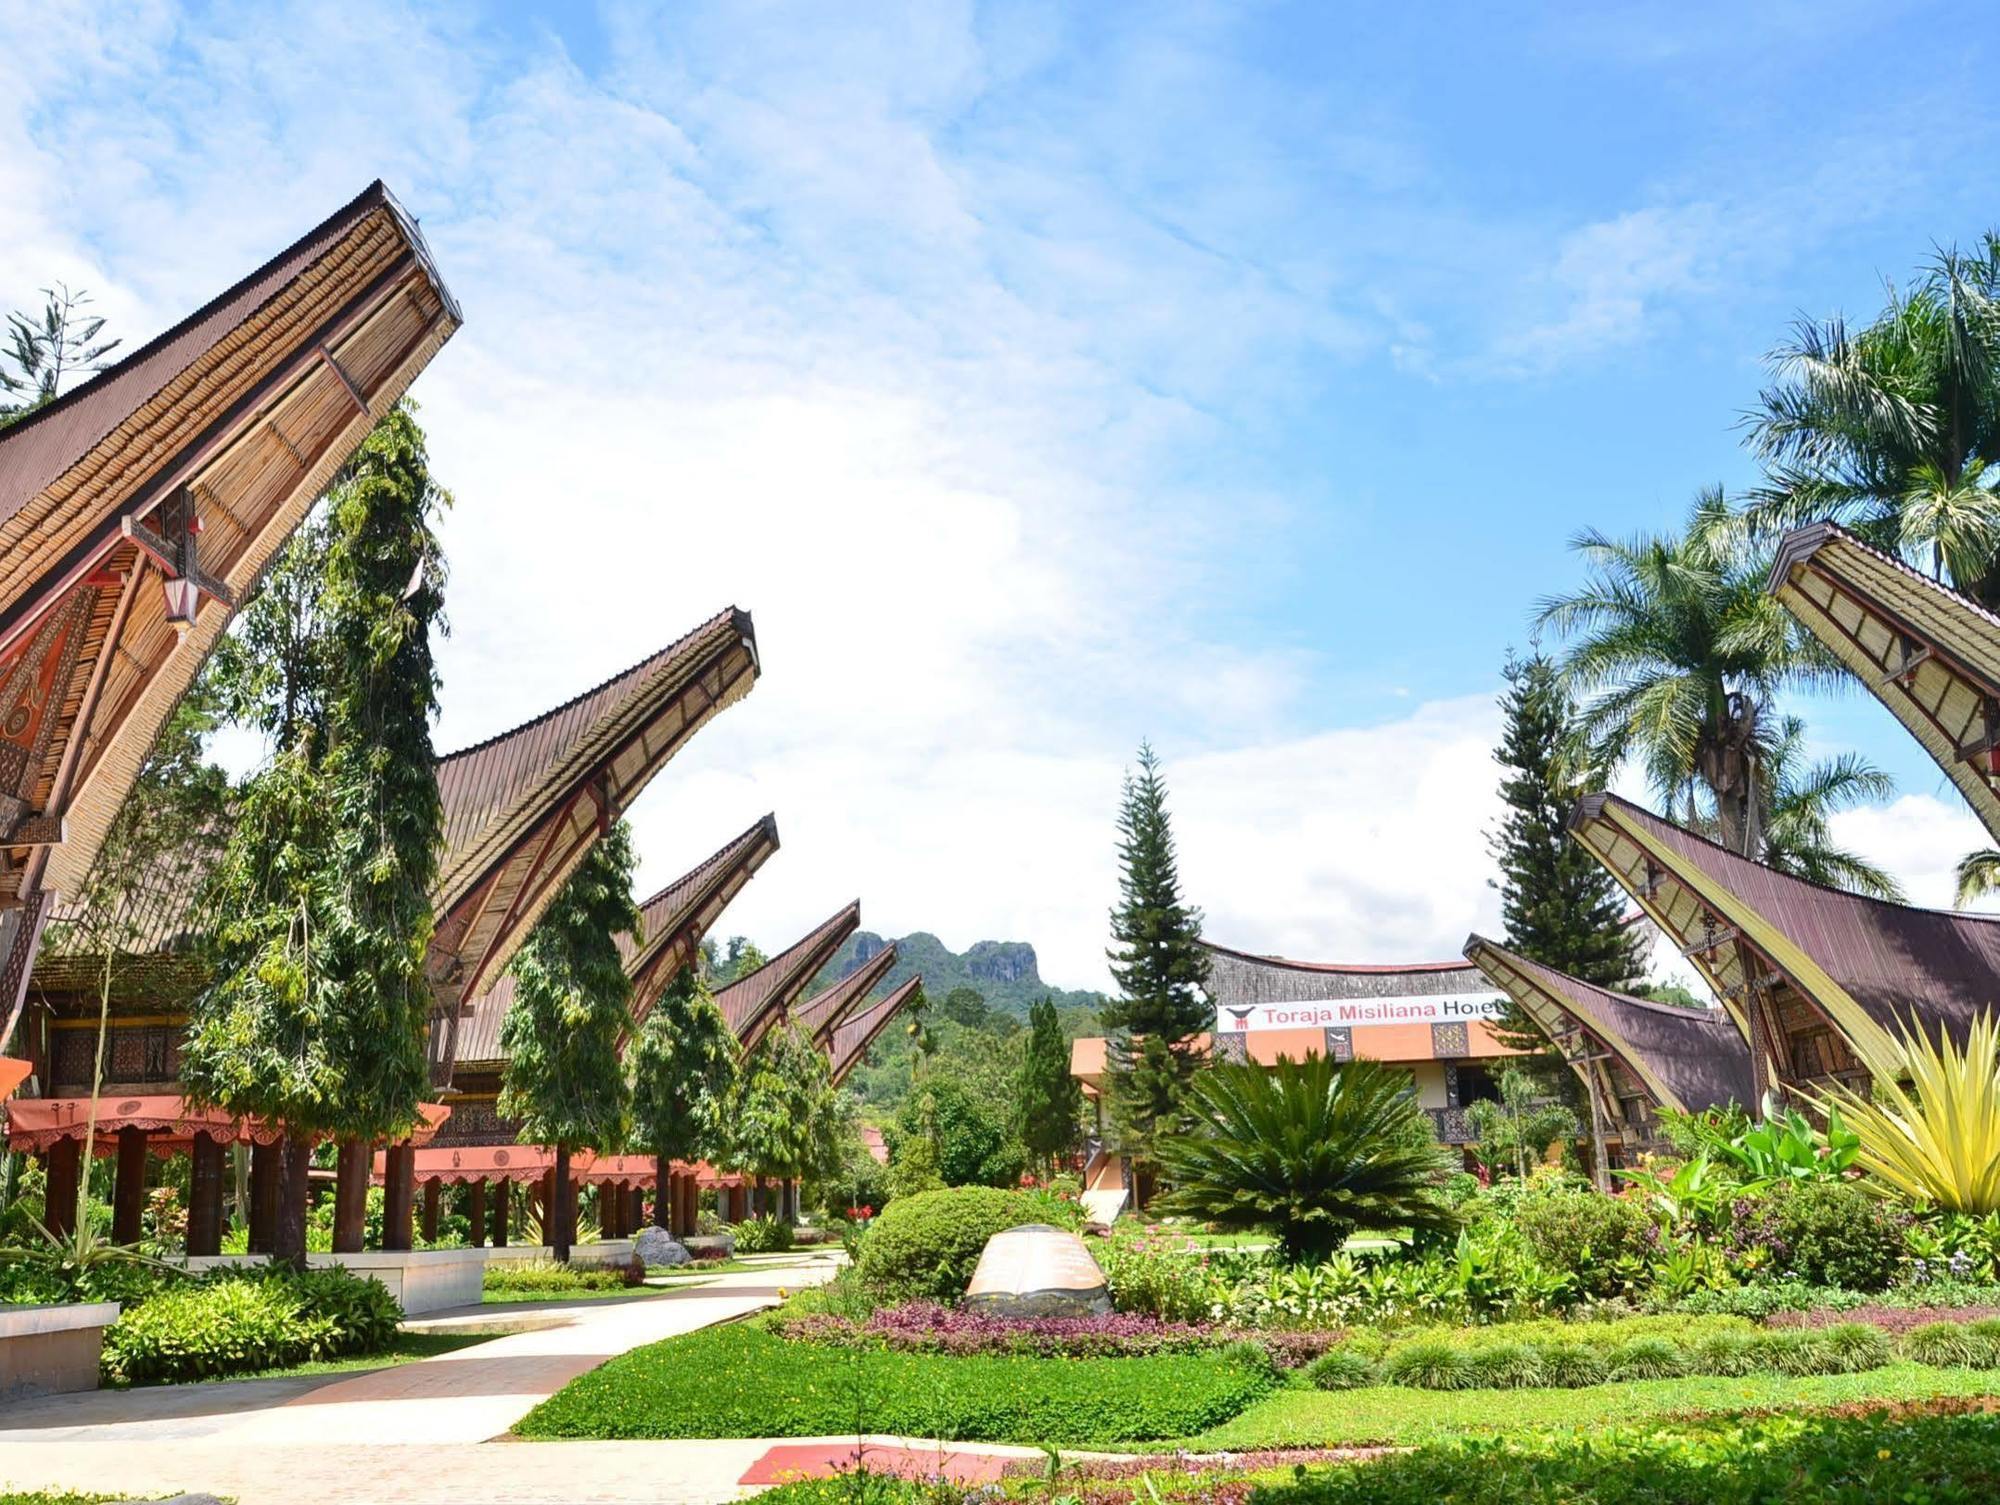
(1430, 1008)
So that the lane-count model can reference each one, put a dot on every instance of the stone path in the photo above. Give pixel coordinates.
(420, 1432)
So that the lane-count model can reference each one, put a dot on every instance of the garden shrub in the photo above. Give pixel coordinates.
(1507, 1366)
(1647, 1359)
(1948, 1345)
(524, 1277)
(923, 1247)
(1826, 1233)
(1796, 1352)
(1342, 1369)
(1573, 1366)
(739, 1381)
(234, 1321)
(1593, 1238)
(1430, 1364)
(763, 1236)
(1727, 1354)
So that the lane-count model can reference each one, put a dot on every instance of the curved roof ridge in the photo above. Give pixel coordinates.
(1367, 968)
(745, 1001)
(1588, 807)
(665, 899)
(827, 1009)
(599, 688)
(1799, 545)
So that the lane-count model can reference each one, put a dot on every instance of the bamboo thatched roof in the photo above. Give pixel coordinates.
(1929, 654)
(239, 416)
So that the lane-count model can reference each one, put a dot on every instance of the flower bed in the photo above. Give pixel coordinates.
(928, 1327)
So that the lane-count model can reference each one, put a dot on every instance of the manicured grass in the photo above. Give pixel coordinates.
(405, 1348)
(510, 1296)
(55, 1497)
(710, 1267)
(1393, 1415)
(739, 1381)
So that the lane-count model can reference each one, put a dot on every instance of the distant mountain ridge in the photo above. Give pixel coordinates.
(1005, 972)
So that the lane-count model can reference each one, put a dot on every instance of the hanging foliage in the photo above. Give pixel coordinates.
(317, 1004)
(572, 1005)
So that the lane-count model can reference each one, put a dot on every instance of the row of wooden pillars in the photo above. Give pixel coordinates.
(622, 1204)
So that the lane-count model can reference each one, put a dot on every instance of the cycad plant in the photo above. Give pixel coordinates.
(1931, 1130)
(1310, 1150)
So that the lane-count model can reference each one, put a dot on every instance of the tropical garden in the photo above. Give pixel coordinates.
(1797, 1300)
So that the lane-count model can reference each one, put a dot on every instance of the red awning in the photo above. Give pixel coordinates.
(170, 1122)
(36, 1123)
(12, 1073)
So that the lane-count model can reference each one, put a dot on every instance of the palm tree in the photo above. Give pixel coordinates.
(1678, 656)
(1892, 430)
(1311, 1149)
(1800, 799)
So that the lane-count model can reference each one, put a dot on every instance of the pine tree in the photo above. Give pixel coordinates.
(572, 1006)
(684, 1067)
(1560, 906)
(1048, 1100)
(1161, 971)
(316, 1012)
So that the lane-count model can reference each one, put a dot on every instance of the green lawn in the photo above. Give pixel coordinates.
(712, 1267)
(407, 1348)
(740, 1381)
(1394, 1415)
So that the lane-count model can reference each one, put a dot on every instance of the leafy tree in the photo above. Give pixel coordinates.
(1894, 429)
(784, 1111)
(1682, 653)
(572, 1005)
(45, 350)
(966, 1006)
(1161, 970)
(739, 958)
(1800, 801)
(683, 1070)
(316, 1013)
(1048, 1100)
(1561, 907)
(1312, 1150)
(1520, 1127)
(955, 1133)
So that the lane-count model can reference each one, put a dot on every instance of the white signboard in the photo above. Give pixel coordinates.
(1430, 1008)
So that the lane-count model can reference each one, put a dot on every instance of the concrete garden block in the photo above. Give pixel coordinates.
(52, 1350)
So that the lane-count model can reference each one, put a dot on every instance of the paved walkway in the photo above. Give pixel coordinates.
(431, 1431)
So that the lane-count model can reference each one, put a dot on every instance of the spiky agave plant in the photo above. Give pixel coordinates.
(1311, 1150)
(1931, 1129)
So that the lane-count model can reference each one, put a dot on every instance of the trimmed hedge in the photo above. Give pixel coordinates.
(1543, 1356)
(738, 1381)
(234, 1321)
(923, 1248)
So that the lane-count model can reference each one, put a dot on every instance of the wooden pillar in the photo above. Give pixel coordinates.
(128, 1194)
(264, 1168)
(635, 1207)
(399, 1188)
(475, 1212)
(63, 1166)
(607, 1210)
(432, 1191)
(688, 1205)
(204, 1230)
(350, 1196)
(503, 1201)
(663, 1181)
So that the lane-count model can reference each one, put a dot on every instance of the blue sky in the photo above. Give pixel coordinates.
(1047, 376)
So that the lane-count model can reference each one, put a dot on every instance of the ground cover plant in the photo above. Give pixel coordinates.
(235, 1320)
(780, 1389)
(538, 1279)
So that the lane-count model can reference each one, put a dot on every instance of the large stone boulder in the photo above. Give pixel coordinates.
(1037, 1271)
(654, 1247)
